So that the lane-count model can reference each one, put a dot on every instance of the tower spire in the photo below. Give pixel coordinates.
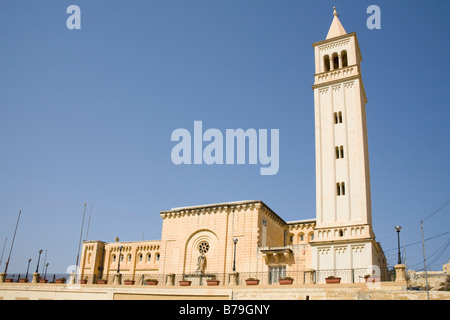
(336, 28)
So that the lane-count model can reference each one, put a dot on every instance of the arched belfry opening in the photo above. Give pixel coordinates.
(335, 61)
(344, 58)
(326, 63)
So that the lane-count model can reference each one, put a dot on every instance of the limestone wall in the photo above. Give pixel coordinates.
(387, 291)
(436, 279)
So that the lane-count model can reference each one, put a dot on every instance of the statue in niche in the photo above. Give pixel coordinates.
(201, 262)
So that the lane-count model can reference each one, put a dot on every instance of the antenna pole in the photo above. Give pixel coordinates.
(12, 243)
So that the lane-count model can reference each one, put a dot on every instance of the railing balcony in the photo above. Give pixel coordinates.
(336, 74)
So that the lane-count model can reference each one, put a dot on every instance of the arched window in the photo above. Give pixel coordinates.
(140, 257)
(344, 58)
(338, 117)
(335, 61)
(149, 256)
(340, 189)
(121, 258)
(157, 257)
(339, 152)
(114, 258)
(129, 257)
(326, 63)
(302, 237)
(341, 233)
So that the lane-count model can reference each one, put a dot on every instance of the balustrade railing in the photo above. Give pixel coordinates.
(204, 279)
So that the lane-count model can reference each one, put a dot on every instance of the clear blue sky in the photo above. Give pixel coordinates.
(87, 115)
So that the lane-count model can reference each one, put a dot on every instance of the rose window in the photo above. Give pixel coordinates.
(203, 247)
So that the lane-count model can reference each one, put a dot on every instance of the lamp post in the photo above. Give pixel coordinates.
(118, 265)
(46, 266)
(398, 228)
(235, 240)
(39, 258)
(26, 276)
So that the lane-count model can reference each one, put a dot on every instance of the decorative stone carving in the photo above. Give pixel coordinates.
(201, 261)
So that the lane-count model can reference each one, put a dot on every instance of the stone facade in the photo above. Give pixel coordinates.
(264, 240)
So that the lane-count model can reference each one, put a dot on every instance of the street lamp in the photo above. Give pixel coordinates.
(46, 266)
(235, 240)
(26, 276)
(398, 228)
(37, 267)
(118, 265)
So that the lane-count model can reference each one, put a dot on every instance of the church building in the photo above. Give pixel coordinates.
(247, 239)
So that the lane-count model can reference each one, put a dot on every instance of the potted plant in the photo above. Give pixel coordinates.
(43, 280)
(9, 280)
(212, 282)
(82, 281)
(252, 281)
(151, 282)
(102, 281)
(373, 280)
(333, 279)
(60, 280)
(128, 282)
(23, 280)
(185, 282)
(286, 280)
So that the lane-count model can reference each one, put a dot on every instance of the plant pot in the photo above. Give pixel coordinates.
(152, 282)
(60, 281)
(43, 281)
(185, 283)
(128, 282)
(286, 281)
(23, 280)
(333, 280)
(82, 281)
(101, 281)
(373, 280)
(9, 280)
(252, 282)
(212, 282)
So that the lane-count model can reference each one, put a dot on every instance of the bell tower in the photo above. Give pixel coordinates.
(343, 237)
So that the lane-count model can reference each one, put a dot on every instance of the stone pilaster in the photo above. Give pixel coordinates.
(309, 276)
(117, 278)
(170, 279)
(400, 272)
(234, 278)
(35, 278)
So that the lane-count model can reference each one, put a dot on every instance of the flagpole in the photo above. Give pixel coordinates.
(81, 233)
(12, 243)
(89, 223)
